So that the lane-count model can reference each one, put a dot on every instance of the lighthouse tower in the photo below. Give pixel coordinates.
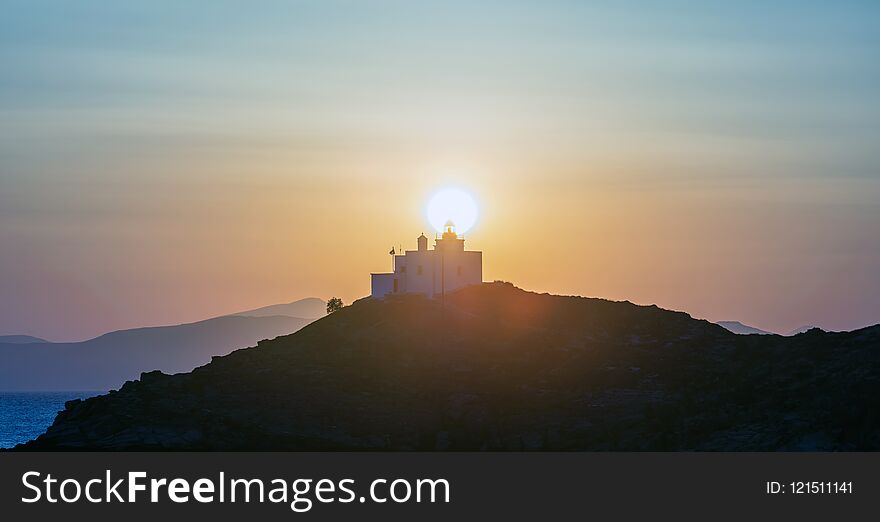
(447, 267)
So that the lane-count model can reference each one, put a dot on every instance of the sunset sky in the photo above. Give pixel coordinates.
(163, 163)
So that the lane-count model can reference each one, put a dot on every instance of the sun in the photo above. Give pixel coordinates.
(452, 205)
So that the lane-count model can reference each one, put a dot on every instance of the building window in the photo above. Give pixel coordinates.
(395, 285)
(459, 269)
(419, 270)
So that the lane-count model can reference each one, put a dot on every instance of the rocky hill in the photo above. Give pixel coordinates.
(498, 368)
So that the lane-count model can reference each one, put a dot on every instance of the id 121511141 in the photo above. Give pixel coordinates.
(808, 488)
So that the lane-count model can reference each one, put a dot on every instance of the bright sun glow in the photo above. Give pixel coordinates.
(452, 204)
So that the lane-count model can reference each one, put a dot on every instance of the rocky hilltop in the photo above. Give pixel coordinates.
(499, 368)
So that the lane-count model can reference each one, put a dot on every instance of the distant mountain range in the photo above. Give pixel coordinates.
(309, 308)
(744, 329)
(20, 339)
(804, 329)
(498, 368)
(105, 362)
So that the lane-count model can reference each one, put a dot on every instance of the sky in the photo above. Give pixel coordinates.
(165, 162)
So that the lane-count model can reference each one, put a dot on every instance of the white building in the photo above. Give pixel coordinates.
(431, 272)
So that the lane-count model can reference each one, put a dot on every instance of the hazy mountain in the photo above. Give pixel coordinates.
(802, 329)
(102, 363)
(742, 329)
(20, 339)
(105, 362)
(309, 308)
(498, 368)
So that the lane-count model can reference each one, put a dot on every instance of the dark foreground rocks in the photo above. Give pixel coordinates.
(498, 368)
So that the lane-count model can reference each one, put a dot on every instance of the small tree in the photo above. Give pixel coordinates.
(334, 304)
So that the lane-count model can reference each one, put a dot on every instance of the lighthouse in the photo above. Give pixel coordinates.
(430, 272)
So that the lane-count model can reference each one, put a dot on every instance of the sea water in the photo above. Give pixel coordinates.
(25, 415)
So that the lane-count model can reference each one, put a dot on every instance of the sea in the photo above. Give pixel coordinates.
(25, 415)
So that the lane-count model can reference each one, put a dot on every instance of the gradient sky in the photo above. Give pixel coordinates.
(163, 163)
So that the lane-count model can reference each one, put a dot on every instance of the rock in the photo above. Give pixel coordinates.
(498, 368)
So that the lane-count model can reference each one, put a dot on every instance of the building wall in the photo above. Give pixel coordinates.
(381, 285)
(456, 270)
(400, 273)
(420, 272)
(449, 269)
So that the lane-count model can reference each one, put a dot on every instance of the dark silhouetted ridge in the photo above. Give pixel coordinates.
(498, 368)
